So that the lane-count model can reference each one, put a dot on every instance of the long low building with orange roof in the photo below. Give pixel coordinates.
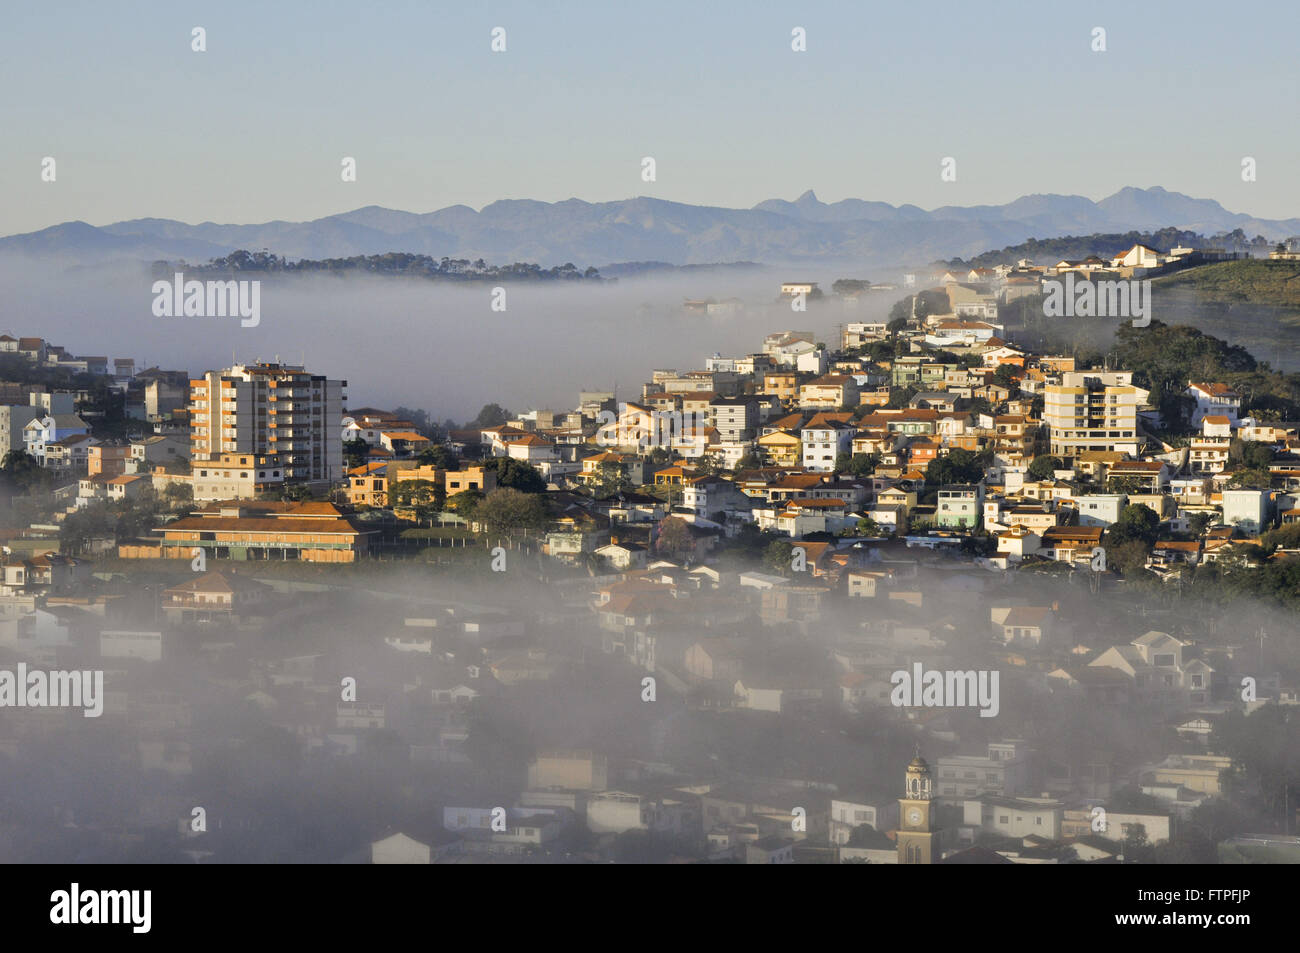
(257, 530)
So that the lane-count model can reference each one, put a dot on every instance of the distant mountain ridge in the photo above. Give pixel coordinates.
(775, 231)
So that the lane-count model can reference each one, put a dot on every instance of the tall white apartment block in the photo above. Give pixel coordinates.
(277, 410)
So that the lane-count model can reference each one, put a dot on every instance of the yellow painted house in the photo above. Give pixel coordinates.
(781, 448)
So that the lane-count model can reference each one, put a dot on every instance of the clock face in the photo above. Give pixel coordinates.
(914, 816)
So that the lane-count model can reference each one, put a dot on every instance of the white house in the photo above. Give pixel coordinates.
(1246, 509)
(49, 429)
(1158, 674)
(1213, 400)
(882, 814)
(1014, 817)
(821, 444)
(1100, 509)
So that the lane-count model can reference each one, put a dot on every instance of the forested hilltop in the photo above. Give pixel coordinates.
(390, 263)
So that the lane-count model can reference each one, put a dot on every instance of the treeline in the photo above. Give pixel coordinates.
(391, 263)
(1165, 357)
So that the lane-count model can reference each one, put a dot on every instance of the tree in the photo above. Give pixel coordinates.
(857, 464)
(1006, 376)
(1136, 847)
(900, 396)
(708, 464)
(958, 466)
(778, 556)
(464, 503)
(84, 525)
(674, 538)
(420, 418)
(1137, 522)
(1256, 455)
(22, 471)
(507, 509)
(492, 415)
(842, 286)
(1042, 466)
(869, 527)
(517, 475)
(1258, 479)
(177, 494)
(355, 451)
(611, 478)
(864, 835)
(413, 493)
(439, 457)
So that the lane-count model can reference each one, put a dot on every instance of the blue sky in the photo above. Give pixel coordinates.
(254, 129)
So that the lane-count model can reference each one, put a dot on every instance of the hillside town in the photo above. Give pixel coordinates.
(672, 624)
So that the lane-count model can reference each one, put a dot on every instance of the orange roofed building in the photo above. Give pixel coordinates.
(256, 530)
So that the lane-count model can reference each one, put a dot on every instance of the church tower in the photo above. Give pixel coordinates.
(916, 832)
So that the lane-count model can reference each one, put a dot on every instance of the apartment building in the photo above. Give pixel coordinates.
(1002, 772)
(236, 476)
(1092, 410)
(734, 417)
(13, 418)
(270, 410)
(823, 441)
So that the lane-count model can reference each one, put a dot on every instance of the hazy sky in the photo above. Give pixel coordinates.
(254, 129)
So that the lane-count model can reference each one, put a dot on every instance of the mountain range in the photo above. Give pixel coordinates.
(775, 231)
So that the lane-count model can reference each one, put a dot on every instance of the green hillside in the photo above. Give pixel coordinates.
(1253, 281)
(1254, 303)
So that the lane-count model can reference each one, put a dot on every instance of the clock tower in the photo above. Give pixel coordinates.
(916, 832)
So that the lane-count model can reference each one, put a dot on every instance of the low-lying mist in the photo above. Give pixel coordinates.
(435, 346)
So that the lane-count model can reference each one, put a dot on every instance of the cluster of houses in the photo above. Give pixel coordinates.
(875, 466)
(1138, 261)
(808, 444)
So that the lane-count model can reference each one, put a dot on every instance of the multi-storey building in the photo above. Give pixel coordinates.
(275, 410)
(734, 417)
(235, 476)
(1092, 411)
(822, 441)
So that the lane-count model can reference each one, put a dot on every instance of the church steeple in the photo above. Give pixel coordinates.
(918, 783)
(916, 833)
